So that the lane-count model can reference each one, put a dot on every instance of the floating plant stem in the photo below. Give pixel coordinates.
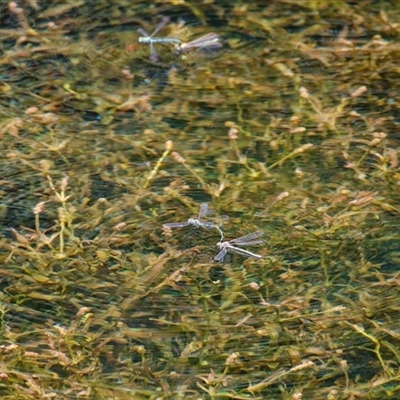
(62, 217)
(37, 210)
(168, 147)
(182, 161)
(377, 343)
(299, 150)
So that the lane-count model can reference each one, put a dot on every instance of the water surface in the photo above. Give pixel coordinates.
(290, 128)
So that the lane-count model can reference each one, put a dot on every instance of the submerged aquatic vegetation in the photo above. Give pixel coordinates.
(290, 128)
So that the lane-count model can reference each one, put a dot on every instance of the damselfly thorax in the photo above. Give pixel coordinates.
(150, 39)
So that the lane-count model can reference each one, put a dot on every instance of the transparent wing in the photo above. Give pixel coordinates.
(143, 32)
(203, 210)
(220, 256)
(251, 243)
(161, 25)
(176, 224)
(209, 41)
(248, 239)
(153, 53)
(207, 225)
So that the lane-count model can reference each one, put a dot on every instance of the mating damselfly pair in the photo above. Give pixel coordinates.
(225, 247)
(208, 41)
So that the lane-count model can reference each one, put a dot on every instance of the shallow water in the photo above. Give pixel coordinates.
(290, 128)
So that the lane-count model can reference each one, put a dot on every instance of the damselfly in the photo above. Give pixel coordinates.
(210, 41)
(197, 222)
(150, 39)
(230, 245)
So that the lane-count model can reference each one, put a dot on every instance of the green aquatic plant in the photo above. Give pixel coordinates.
(289, 127)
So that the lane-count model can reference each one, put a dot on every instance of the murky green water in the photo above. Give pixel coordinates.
(290, 128)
